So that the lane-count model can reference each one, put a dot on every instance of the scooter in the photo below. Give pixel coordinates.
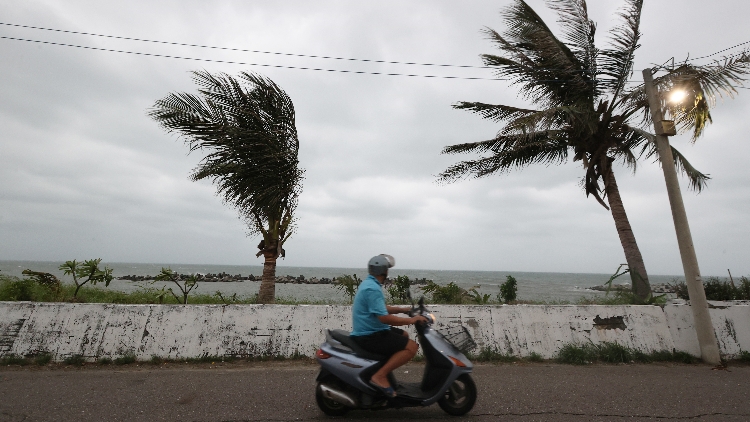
(343, 381)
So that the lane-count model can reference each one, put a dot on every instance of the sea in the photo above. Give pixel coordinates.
(532, 286)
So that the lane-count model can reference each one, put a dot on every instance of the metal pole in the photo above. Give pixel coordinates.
(698, 304)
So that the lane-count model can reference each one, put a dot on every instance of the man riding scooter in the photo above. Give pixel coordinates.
(373, 324)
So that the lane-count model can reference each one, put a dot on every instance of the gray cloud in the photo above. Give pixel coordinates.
(85, 173)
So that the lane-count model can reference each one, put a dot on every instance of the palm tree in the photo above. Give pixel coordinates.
(246, 126)
(584, 107)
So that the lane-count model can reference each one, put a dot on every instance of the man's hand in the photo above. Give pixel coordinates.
(419, 320)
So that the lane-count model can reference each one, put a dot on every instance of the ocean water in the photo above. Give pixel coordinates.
(544, 286)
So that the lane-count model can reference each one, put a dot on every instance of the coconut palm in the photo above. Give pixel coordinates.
(246, 127)
(584, 107)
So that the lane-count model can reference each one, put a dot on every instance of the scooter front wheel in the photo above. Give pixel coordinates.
(328, 406)
(460, 397)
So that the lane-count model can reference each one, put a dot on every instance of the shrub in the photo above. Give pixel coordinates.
(450, 293)
(104, 361)
(399, 289)
(717, 289)
(349, 285)
(14, 288)
(508, 290)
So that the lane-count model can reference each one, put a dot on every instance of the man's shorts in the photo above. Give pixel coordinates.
(386, 342)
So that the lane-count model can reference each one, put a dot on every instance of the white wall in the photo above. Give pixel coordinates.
(176, 331)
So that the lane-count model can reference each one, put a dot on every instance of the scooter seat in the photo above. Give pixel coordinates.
(343, 337)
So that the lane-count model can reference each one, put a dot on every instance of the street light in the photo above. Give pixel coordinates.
(698, 304)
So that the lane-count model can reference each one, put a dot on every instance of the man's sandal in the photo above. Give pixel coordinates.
(387, 391)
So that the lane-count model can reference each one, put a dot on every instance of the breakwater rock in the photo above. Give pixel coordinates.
(224, 278)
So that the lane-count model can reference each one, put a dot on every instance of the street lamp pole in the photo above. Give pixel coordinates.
(698, 304)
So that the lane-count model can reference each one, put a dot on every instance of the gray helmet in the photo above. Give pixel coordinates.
(379, 265)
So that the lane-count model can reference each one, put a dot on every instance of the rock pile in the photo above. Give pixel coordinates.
(224, 277)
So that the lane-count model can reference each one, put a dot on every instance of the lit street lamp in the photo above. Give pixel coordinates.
(698, 304)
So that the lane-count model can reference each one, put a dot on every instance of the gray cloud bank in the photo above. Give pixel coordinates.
(85, 173)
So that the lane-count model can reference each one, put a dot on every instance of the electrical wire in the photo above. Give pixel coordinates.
(249, 64)
(721, 51)
(241, 49)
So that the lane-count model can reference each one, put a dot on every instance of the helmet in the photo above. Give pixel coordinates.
(379, 265)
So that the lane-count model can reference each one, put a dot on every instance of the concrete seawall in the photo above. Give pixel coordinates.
(175, 331)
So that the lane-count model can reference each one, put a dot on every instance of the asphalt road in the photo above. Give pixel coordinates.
(284, 391)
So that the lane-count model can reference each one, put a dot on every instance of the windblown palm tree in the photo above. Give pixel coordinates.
(246, 126)
(585, 108)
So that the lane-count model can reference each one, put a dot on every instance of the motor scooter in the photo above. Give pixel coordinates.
(345, 371)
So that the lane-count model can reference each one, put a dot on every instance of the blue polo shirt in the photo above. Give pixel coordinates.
(369, 304)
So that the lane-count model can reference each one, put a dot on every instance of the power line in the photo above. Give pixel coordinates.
(241, 49)
(721, 51)
(249, 64)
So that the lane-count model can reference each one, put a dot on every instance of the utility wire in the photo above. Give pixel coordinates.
(721, 51)
(249, 64)
(240, 49)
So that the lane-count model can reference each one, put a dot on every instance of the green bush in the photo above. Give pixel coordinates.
(349, 285)
(717, 289)
(450, 293)
(399, 289)
(508, 290)
(14, 288)
(104, 361)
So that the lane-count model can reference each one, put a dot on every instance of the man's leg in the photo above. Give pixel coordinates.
(398, 359)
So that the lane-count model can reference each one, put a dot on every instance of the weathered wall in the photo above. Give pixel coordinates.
(173, 331)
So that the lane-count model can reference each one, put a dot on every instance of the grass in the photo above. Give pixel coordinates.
(76, 360)
(581, 354)
(13, 360)
(493, 355)
(125, 360)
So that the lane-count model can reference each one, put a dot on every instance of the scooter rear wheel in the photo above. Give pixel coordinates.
(460, 397)
(328, 406)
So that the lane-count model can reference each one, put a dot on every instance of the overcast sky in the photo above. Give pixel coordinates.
(85, 173)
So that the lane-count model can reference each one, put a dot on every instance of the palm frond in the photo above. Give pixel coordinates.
(246, 126)
(579, 31)
(616, 62)
(546, 69)
(507, 152)
(494, 112)
(697, 180)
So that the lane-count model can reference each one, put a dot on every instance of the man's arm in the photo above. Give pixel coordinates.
(395, 320)
(398, 309)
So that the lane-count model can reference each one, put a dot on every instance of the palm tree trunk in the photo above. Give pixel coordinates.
(267, 292)
(638, 276)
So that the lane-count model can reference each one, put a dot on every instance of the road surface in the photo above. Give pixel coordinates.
(283, 391)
